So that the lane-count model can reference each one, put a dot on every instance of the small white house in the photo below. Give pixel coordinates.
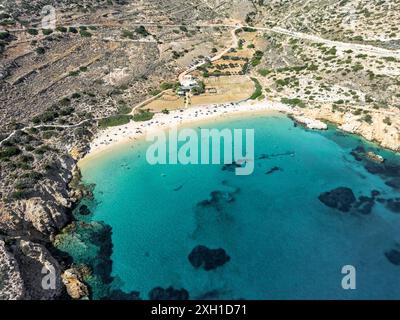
(188, 82)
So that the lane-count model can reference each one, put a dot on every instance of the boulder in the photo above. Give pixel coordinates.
(341, 199)
(73, 282)
(209, 259)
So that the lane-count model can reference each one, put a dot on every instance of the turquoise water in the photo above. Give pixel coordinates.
(283, 242)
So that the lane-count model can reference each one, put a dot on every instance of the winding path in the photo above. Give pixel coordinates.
(299, 35)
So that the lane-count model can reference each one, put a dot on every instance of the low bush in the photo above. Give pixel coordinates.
(143, 115)
(258, 89)
(113, 121)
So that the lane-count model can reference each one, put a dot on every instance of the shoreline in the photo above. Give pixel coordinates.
(108, 139)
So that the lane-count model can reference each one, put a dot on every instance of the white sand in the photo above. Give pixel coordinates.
(105, 139)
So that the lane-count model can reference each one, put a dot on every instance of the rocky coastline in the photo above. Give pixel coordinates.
(35, 224)
(386, 135)
(32, 268)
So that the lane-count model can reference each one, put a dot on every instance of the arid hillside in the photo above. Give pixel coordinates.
(69, 68)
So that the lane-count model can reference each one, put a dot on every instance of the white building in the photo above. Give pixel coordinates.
(188, 82)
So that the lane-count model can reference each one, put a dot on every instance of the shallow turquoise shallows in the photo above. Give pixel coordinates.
(284, 243)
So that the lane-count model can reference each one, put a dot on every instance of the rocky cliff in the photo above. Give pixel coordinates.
(377, 129)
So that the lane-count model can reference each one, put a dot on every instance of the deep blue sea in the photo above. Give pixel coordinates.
(283, 242)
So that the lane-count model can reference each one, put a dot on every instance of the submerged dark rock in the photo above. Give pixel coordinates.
(340, 198)
(364, 205)
(393, 205)
(84, 210)
(97, 238)
(209, 259)
(387, 170)
(231, 167)
(215, 212)
(394, 183)
(375, 193)
(358, 153)
(393, 256)
(218, 198)
(272, 170)
(178, 188)
(170, 293)
(276, 155)
(120, 295)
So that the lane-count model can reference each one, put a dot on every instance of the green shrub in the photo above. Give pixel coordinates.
(155, 92)
(42, 150)
(18, 195)
(113, 121)
(61, 29)
(27, 158)
(48, 116)
(201, 88)
(169, 85)
(143, 115)
(142, 31)
(33, 175)
(389, 59)
(294, 102)
(256, 60)
(40, 50)
(127, 34)
(4, 35)
(258, 89)
(85, 34)
(73, 30)
(367, 118)
(123, 108)
(47, 32)
(264, 72)
(387, 121)
(33, 32)
(49, 134)
(9, 152)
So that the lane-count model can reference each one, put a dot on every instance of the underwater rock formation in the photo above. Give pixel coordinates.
(170, 293)
(209, 259)
(84, 210)
(231, 167)
(272, 170)
(364, 205)
(89, 244)
(393, 205)
(341, 198)
(218, 199)
(393, 256)
(394, 183)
